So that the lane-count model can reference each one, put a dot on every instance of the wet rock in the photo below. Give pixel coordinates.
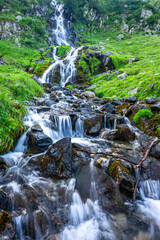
(155, 150)
(38, 142)
(156, 107)
(137, 106)
(151, 100)
(116, 101)
(125, 134)
(144, 124)
(36, 128)
(89, 94)
(92, 124)
(5, 219)
(114, 119)
(121, 220)
(3, 166)
(111, 135)
(57, 162)
(108, 108)
(142, 236)
(121, 173)
(5, 201)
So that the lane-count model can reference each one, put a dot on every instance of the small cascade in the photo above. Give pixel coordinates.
(79, 128)
(115, 124)
(150, 204)
(63, 127)
(86, 219)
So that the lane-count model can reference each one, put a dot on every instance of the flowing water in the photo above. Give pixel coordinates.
(46, 208)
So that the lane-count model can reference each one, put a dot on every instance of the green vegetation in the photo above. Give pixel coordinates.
(33, 27)
(63, 50)
(142, 113)
(70, 87)
(17, 86)
(143, 75)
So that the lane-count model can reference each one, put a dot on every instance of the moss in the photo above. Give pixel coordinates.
(113, 169)
(63, 50)
(4, 219)
(142, 113)
(70, 86)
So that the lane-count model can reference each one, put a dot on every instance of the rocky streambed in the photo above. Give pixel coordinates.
(72, 174)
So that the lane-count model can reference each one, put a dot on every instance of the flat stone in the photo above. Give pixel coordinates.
(89, 94)
(151, 100)
(122, 76)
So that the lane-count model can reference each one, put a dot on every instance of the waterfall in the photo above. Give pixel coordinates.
(150, 204)
(86, 219)
(66, 65)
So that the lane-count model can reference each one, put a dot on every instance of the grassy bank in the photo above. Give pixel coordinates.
(143, 74)
(16, 87)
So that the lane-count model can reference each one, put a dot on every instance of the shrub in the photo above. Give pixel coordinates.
(142, 113)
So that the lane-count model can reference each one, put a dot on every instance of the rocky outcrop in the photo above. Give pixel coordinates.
(9, 29)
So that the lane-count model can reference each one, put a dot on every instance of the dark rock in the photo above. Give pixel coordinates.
(116, 101)
(108, 108)
(131, 99)
(5, 219)
(138, 106)
(151, 100)
(92, 124)
(114, 119)
(36, 128)
(111, 135)
(156, 107)
(2, 165)
(125, 134)
(144, 124)
(43, 109)
(155, 151)
(5, 201)
(68, 92)
(38, 142)
(57, 162)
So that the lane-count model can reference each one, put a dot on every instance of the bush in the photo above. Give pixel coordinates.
(142, 113)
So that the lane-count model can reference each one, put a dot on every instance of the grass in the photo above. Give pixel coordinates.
(16, 87)
(143, 74)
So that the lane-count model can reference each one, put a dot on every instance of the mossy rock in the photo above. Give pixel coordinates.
(5, 218)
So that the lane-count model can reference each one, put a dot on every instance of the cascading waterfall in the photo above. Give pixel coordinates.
(66, 65)
(86, 219)
(150, 204)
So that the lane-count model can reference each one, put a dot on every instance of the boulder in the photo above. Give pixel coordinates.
(108, 108)
(125, 134)
(57, 162)
(120, 37)
(5, 201)
(38, 142)
(131, 99)
(36, 128)
(111, 135)
(156, 107)
(133, 91)
(93, 123)
(151, 100)
(89, 94)
(146, 13)
(122, 76)
(155, 150)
